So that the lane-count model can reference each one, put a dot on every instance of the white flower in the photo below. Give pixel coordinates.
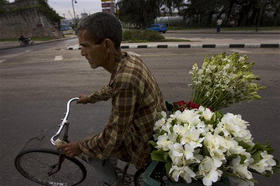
(208, 169)
(234, 148)
(187, 116)
(185, 172)
(163, 142)
(265, 164)
(176, 153)
(216, 145)
(179, 129)
(159, 123)
(234, 125)
(192, 137)
(185, 135)
(163, 114)
(206, 113)
(188, 151)
(166, 127)
(241, 58)
(241, 169)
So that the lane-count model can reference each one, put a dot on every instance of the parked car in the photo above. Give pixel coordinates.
(158, 27)
(65, 28)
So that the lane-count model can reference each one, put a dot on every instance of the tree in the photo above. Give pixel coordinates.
(201, 12)
(3, 2)
(139, 12)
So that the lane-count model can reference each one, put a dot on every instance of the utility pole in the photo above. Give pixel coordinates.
(74, 19)
(74, 11)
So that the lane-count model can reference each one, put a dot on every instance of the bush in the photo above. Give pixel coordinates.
(141, 35)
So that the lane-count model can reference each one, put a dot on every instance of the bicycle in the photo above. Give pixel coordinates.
(50, 167)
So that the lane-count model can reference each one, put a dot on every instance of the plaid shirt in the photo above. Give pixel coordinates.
(136, 100)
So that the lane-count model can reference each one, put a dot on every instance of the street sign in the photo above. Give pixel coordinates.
(108, 6)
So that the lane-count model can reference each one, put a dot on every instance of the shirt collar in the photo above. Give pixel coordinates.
(117, 67)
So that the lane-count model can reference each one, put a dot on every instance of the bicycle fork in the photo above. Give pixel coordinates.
(56, 167)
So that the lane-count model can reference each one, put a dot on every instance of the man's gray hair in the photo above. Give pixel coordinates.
(101, 26)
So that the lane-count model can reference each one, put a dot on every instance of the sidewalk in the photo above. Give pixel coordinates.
(15, 44)
(213, 31)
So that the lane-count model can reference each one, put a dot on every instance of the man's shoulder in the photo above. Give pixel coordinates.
(131, 71)
(131, 64)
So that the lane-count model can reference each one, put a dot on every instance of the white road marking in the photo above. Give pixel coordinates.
(2, 60)
(240, 51)
(58, 58)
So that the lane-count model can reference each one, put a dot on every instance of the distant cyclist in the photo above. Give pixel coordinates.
(24, 41)
(135, 95)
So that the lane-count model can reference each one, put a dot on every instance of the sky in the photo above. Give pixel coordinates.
(64, 7)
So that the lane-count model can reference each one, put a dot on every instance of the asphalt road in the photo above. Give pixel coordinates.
(36, 82)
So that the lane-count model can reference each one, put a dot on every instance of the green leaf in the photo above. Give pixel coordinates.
(152, 143)
(168, 166)
(257, 157)
(267, 147)
(231, 157)
(169, 106)
(173, 122)
(205, 151)
(243, 158)
(178, 139)
(246, 146)
(159, 155)
(219, 116)
(166, 157)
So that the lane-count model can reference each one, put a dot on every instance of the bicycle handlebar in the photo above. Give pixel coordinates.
(64, 121)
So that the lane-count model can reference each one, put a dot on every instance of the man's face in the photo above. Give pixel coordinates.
(94, 53)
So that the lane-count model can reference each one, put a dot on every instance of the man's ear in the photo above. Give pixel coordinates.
(108, 44)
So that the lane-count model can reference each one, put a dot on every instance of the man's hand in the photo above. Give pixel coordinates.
(71, 149)
(84, 99)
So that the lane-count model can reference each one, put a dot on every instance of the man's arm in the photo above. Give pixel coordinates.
(106, 142)
(100, 95)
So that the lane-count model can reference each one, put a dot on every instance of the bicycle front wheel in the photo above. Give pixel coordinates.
(36, 164)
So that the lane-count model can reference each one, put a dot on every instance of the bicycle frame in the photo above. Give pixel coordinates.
(64, 126)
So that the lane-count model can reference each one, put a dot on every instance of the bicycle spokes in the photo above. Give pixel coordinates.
(56, 167)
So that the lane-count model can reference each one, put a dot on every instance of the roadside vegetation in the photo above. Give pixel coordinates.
(241, 13)
(140, 36)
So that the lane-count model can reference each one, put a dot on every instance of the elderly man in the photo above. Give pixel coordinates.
(136, 99)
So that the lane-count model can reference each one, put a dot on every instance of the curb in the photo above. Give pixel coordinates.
(249, 45)
(260, 45)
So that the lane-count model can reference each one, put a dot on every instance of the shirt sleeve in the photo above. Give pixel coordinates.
(101, 95)
(108, 141)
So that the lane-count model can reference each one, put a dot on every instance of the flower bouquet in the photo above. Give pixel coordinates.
(223, 80)
(199, 145)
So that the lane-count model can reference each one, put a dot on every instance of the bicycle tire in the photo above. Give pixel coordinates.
(34, 164)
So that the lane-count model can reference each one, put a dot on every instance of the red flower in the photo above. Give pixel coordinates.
(181, 105)
(192, 105)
